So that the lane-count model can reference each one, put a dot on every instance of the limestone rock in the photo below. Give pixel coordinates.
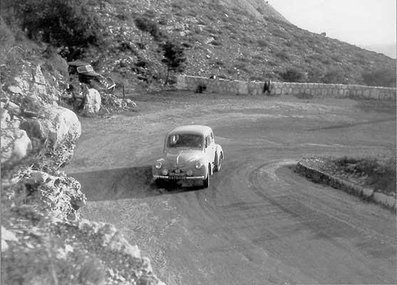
(56, 195)
(56, 125)
(92, 102)
(15, 145)
(6, 236)
(130, 103)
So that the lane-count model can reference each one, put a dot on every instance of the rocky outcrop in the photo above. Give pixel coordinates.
(59, 196)
(44, 240)
(58, 129)
(15, 143)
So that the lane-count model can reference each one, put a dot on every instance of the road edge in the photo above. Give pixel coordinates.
(365, 193)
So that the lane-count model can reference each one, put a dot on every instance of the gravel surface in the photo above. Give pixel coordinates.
(258, 222)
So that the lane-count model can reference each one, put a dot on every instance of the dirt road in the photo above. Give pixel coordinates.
(259, 222)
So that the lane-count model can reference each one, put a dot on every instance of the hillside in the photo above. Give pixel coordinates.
(387, 49)
(235, 39)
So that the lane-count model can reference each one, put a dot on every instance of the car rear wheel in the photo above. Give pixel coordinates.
(218, 162)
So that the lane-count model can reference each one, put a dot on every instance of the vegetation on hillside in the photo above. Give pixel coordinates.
(127, 39)
(377, 173)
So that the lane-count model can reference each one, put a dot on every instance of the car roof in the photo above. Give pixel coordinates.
(192, 129)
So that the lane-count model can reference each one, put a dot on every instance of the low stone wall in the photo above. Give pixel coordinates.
(319, 90)
(316, 175)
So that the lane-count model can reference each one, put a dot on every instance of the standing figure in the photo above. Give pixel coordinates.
(267, 87)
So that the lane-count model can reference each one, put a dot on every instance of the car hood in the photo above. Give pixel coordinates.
(182, 157)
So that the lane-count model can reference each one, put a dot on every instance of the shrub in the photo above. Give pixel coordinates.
(292, 75)
(69, 24)
(334, 76)
(381, 173)
(314, 74)
(174, 58)
(201, 88)
(145, 24)
(382, 77)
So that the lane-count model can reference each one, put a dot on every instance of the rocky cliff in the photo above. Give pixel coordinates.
(44, 239)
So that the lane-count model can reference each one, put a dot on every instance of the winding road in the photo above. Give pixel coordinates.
(258, 222)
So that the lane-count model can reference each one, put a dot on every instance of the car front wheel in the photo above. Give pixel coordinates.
(206, 181)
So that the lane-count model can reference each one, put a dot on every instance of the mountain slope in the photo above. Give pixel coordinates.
(386, 49)
(234, 39)
(256, 8)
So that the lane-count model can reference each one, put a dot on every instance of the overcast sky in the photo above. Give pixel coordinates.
(359, 22)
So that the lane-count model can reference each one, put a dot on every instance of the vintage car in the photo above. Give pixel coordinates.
(86, 74)
(190, 153)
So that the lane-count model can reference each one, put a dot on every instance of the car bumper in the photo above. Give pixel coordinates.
(178, 177)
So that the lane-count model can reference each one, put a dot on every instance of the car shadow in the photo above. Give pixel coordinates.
(125, 183)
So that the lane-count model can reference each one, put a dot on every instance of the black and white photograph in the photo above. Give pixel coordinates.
(184, 142)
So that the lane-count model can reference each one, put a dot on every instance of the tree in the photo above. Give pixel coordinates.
(174, 58)
(63, 23)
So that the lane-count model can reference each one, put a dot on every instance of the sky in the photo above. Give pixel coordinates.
(359, 22)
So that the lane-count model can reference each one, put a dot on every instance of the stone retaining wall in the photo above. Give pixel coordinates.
(365, 193)
(319, 90)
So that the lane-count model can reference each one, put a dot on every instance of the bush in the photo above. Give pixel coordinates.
(200, 88)
(382, 77)
(70, 24)
(381, 173)
(334, 76)
(292, 75)
(174, 58)
(145, 24)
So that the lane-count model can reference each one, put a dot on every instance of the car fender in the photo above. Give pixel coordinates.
(219, 150)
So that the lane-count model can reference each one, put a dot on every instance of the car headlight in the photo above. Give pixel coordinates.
(198, 164)
(158, 164)
(164, 172)
(189, 173)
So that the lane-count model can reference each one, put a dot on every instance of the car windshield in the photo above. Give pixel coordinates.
(185, 140)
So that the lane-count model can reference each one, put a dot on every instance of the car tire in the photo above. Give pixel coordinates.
(164, 183)
(160, 182)
(218, 162)
(206, 181)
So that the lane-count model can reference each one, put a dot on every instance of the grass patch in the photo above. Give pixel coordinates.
(377, 173)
